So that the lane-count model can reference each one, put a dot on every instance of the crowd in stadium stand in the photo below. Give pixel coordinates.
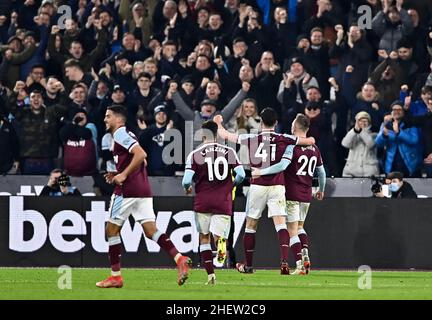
(364, 81)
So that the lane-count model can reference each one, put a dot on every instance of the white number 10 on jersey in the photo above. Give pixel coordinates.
(213, 168)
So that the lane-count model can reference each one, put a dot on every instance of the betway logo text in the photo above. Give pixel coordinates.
(132, 235)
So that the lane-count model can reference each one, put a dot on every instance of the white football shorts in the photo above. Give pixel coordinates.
(297, 211)
(121, 208)
(260, 196)
(217, 224)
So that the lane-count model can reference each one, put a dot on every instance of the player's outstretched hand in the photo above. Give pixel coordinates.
(256, 173)
(189, 190)
(218, 119)
(319, 195)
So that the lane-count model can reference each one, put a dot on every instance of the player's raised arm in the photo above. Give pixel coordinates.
(321, 181)
(278, 167)
(222, 132)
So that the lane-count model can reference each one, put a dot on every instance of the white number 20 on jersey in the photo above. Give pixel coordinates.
(309, 163)
(213, 168)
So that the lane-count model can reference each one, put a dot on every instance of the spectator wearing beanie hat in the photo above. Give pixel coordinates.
(362, 157)
(296, 80)
(152, 141)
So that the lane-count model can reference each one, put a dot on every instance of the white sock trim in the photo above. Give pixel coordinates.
(114, 240)
(249, 230)
(301, 231)
(205, 247)
(116, 273)
(156, 236)
(280, 227)
(294, 240)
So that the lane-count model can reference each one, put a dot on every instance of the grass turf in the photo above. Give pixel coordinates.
(160, 284)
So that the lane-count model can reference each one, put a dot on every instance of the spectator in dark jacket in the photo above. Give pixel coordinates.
(9, 144)
(354, 51)
(38, 134)
(152, 141)
(366, 100)
(391, 24)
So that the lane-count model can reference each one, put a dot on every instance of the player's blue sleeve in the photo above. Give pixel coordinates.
(240, 175)
(282, 165)
(123, 138)
(321, 178)
(276, 168)
(187, 179)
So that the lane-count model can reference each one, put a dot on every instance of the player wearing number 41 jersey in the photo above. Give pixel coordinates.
(132, 196)
(211, 166)
(265, 149)
(298, 164)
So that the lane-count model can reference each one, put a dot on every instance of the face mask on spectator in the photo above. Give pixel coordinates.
(394, 187)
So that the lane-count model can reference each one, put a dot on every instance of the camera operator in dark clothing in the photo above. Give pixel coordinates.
(400, 189)
(59, 185)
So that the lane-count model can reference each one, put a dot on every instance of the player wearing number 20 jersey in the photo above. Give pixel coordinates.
(298, 165)
(265, 149)
(212, 166)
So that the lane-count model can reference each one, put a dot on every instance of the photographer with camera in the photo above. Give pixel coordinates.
(399, 188)
(59, 185)
(79, 146)
(381, 187)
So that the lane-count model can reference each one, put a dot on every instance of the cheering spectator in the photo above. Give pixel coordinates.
(79, 146)
(403, 151)
(391, 24)
(152, 140)
(362, 158)
(38, 133)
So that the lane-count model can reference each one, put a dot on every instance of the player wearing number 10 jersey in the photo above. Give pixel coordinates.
(298, 165)
(265, 149)
(211, 166)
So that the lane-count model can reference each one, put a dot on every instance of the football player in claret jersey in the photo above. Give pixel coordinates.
(211, 166)
(132, 196)
(265, 149)
(298, 164)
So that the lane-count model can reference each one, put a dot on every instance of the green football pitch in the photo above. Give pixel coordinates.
(160, 284)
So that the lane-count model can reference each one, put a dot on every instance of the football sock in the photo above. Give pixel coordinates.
(249, 245)
(283, 241)
(207, 257)
(166, 244)
(304, 239)
(114, 254)
(296, 247)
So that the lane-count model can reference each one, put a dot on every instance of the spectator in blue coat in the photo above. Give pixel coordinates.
(403, 151)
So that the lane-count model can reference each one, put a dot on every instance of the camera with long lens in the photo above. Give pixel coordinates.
(64, 180)
(376, 185)
(78, 119)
